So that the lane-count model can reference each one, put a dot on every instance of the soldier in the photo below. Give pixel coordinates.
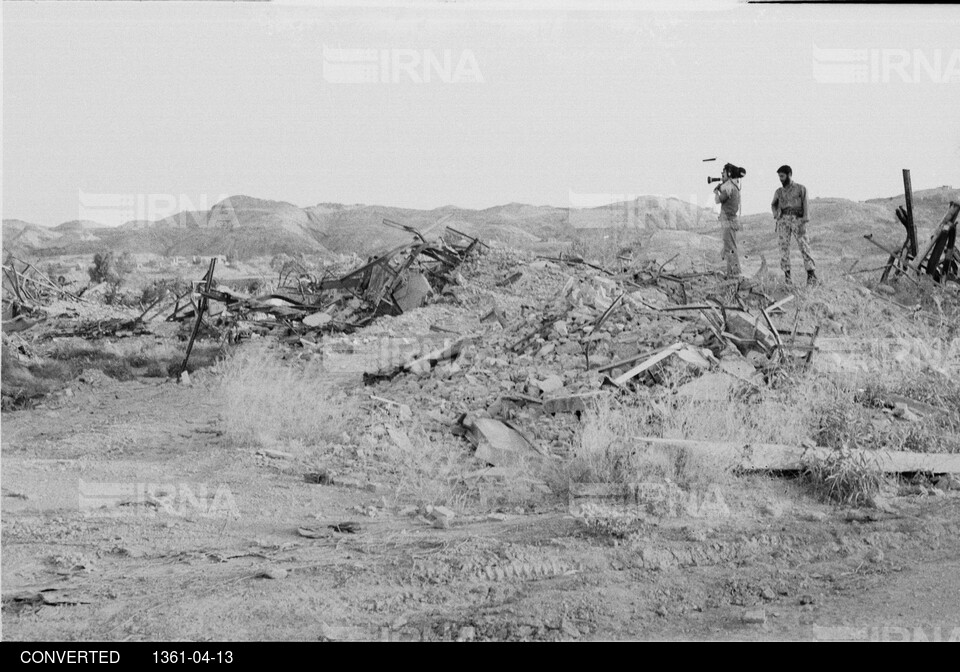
(792, 214)
(727, 194)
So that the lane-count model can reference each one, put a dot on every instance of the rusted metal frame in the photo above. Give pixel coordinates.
(14, 283)
(208, 285)
(910, 225)
(354, 277)
(599, 323)
(941, 254)
(474, 241)
(948, 220)
(448, 260)
(388, 291)
(894, 257)
(404, 227)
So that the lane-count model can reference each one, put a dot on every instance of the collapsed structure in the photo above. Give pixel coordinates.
(940, 259)
(304, 307)
(549, 337)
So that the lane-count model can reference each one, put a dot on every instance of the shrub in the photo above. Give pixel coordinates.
(107, 267)
(843, 476)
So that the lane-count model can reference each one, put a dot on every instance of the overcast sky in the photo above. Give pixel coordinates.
(540, 106)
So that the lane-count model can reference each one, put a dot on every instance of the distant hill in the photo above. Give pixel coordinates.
(248, 227)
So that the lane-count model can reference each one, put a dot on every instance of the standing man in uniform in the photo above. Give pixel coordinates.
(792, 214)
(727, 194)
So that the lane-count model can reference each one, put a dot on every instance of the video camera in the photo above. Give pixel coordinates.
(735, 173)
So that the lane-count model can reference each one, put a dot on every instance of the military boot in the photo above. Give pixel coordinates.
(812, 280)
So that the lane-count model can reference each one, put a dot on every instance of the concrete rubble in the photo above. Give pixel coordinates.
(512, 352)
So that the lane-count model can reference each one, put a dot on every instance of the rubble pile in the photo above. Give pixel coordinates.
(305, 307)
(514, 356)
(26, 291)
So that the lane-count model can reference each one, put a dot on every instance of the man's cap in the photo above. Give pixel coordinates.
(787, 170)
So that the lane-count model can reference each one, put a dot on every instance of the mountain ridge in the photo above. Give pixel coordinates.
(246, 226)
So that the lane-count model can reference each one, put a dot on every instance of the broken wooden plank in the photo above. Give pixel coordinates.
(893, 261)
(773, 329)
(780, 457)
(643, 366)
(784, 301)
(595, 329)
(942, 228)
(438, 355)
(573, 403)
(510, 279)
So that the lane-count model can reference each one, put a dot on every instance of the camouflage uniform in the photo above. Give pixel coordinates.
(791, 225)
(791, 211)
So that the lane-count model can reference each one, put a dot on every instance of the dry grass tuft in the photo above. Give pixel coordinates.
(843, 477)
(429, 469)
(267, 400)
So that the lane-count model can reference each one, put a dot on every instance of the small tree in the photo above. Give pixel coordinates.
(108, 268)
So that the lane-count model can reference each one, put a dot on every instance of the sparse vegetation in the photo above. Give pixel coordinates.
(269, 400)
(843, 477)
(108, 267)
(609, 247)
(64, 361)
(160, 288)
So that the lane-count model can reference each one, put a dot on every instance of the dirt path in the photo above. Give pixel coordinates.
(127, 516)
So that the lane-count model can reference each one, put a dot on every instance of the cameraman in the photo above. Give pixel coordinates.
(727, 194)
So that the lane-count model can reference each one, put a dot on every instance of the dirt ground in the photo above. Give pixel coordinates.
(213, 551)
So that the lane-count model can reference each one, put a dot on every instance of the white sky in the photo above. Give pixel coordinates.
(200, 100)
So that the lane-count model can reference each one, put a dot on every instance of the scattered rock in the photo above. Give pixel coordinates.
(441, 516)
(709, 387)
(275, 454)
(755, 617)
(184, 378)
(904, 413)
(467, 634)
(881, 503)
(321, 477)
(813, 516)
(569, 629)
(550, 384)
(547, 349)
(947, 483)
(772, 509)
(874, 555)
(275, 573)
